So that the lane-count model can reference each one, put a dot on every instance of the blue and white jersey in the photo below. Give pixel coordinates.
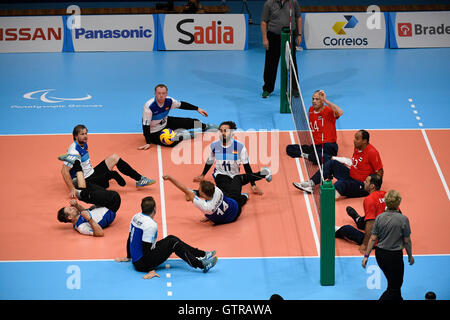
(228, 158)
(219, 209)
(86, 165)
(142, 228)
(103, 216)
(155, 115)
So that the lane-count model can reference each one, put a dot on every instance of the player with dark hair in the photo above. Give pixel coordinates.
(90, 221)
(350, 181)
(146, 253)
(374, 205)
(103, 172)
(218, 206)
(228, 154)
(322, 116)
(155, 118)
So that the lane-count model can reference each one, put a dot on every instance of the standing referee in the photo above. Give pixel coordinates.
(274, 17)
(392, 231)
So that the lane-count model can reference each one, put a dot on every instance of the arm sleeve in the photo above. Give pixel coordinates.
(206, 207)
(206, 168)
(375, 161)
(146, 132)
(85, 228)
(187, 106)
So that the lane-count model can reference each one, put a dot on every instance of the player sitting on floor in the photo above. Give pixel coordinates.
(217, 206)
(102, 214)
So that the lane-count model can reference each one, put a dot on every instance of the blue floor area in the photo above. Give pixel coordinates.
(228, 85)
(371, 86)
(252, 279)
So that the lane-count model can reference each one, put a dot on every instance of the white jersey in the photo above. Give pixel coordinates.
(155, 115)
(103, 216)
(142, 229)
(86, 165)
(228, 158)
(219, 209)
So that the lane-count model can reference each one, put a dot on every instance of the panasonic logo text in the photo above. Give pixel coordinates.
(113, 34)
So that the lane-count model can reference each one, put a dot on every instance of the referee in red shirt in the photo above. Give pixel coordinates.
(374, 205)
(350, 181)
(322, 116)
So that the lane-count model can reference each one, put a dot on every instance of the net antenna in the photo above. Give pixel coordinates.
(245, 8)
(292, 71)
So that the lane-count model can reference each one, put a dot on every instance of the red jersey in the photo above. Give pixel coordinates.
(374, 205)
(323, 122)
(365, 163)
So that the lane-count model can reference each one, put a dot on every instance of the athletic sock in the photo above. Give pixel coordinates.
(127, 170)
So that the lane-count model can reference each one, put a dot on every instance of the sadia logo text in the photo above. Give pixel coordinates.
(215, 33)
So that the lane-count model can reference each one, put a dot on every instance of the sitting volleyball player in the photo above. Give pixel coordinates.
(147, 254)
(228, 154)
(90, 221)
(217, 206)
(155, 118)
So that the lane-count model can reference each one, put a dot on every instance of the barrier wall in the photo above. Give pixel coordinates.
(148, 32)
(340, 30)
(419, 29)
(124, 33)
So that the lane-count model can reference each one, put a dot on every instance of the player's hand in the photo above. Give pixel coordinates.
(150, 275)
(167, 177)
(257, 190)
(199, 178)
(411, 260)
(266, 43)
(299, 39)
(364, 262)
(144, 147)
(73, 202)
(125, 259)
(72, 194)
(323, 96)
(202, 112)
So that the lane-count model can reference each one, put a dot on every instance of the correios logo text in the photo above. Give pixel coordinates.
(33, 95)
(340, 28)
(212, 34)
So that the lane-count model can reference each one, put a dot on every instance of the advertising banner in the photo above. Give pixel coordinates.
(31, 34)
(340, 30)
(419, 29)
(203, 32)
(114, 33)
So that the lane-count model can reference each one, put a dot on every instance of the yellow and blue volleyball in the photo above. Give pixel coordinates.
(167, 136)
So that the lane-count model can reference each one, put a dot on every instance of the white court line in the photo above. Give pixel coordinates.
(436, 164)
(161, 189)
(224, 258)
(308, 205)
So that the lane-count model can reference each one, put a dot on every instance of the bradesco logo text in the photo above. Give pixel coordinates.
(27, 34)
(212, 34)
(405, 29)
(113, 34)
(339, 28)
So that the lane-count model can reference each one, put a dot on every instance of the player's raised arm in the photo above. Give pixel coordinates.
(190, 195)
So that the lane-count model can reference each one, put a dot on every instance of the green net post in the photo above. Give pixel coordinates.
(284, 102)
(327, 240)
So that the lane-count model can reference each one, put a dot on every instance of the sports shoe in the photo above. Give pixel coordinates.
(352, 213)
(208, 255)
(265, 94)
(208, 263)
(266, 172)
(144, 182)
(304, 186)
(337, 232)
(70, 158)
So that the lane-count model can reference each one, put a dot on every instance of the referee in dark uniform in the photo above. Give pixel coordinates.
(274, 17)
(392, 231)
